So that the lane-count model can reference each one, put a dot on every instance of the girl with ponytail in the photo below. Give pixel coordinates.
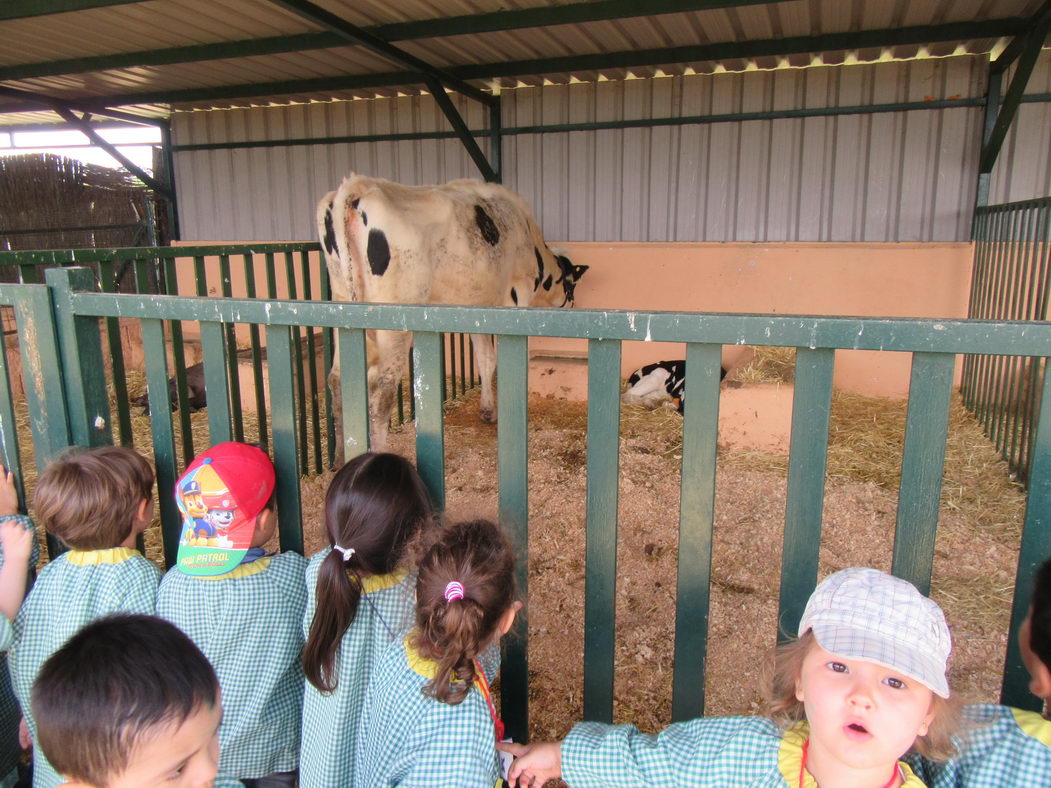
(360, 598)
(429, 718)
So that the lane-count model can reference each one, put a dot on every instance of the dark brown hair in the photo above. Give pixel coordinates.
(1040, 617)
(477, 555)
(110, 686)
(375, 504)
(89, 498)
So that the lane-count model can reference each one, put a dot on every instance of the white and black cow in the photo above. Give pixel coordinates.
(466, 242)
(654, 383)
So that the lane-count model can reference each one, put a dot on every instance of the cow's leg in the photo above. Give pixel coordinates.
(485, 355)
(391, 364)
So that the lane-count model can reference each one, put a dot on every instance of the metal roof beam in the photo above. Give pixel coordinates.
(460, 127)
(40, 101)
(20, 9)
(356, 35)
(398, 31)
(994, 28)
(1015, 48)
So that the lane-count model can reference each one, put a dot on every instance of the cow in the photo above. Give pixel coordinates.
(464, 242)
(664, 380)
(196, 393)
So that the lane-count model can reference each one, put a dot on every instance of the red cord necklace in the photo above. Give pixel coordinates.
(483, 685)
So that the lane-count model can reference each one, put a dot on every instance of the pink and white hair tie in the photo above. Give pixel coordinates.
(453, 591)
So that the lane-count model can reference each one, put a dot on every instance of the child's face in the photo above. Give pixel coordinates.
(176, 756)
(862, 716)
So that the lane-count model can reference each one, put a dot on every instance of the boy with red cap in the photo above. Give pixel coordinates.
(243, 608)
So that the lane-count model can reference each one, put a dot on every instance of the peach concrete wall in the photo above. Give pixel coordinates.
(866, 279)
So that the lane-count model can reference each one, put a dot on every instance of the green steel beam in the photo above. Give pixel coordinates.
(361, 37)
(21, 9)
(38, 101)
(460, 127)
(174, 231)
(957, 31)
(1017, 46)
(468, 24)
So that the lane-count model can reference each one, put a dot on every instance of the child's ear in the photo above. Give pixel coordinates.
(799, 690)
(141, 516)
(1040, 680)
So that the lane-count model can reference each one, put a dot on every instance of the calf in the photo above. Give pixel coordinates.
(664, 380)
(197, 397)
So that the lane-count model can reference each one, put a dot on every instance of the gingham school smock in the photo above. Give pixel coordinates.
(330, 720)
(406, 738)
(1000, 747)
(10, 713)
(71, 591)
(713, 752)
(248, 623)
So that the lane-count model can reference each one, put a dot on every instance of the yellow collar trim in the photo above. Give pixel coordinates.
(113, 555)
(1034, 725)
(374, 583)
(790, 760)
(242, 570)
(419, 664)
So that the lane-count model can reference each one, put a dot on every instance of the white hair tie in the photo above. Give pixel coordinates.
(346, 551)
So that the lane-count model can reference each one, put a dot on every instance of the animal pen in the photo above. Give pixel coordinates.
(60, 339)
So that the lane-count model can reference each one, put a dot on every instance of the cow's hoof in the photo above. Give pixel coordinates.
(487, 415)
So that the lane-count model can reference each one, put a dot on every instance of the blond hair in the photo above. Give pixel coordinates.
(786, 709)
(89, 498)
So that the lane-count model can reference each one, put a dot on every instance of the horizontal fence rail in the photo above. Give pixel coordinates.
(1011, 280)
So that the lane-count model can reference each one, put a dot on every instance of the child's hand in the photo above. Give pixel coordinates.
(16, 540)
(8, 493)
(534, 764)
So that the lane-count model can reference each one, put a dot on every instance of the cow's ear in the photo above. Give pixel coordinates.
(578, 271)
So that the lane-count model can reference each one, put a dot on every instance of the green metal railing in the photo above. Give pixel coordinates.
(933, 344)
(1011, 280)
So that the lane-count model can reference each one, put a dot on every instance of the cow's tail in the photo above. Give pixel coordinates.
(351, 254)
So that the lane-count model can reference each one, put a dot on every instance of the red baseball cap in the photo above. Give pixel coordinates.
(219, 496)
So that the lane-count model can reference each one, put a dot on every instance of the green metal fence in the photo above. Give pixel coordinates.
(1011, 280)
(933, 344)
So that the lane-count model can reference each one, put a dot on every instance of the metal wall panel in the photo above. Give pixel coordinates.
(892, 176)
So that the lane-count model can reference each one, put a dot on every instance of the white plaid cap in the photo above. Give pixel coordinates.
(870, 615)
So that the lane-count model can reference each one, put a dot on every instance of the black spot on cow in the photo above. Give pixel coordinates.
(548, 281)
(486, 226)
(539, 268)
(354, 203)
(378, 252)
(330, 232)
(514, 296)
(364, 218)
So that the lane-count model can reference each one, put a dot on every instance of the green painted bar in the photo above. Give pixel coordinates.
(10, 453)
(600, 571)
(116, 353)
(327, 355)
(452, 363)
(470, 341)
(412, 399)
(427, 396)
(257, 358)
(312, 375)
(80, 368)
(696, 526)
(82, 256)
(171, 286)
(354, 391)
(163, 435)
(301, 400)
(811, 405)
(441, 350)
(512, 398)
(1034, 550)
(200, 275)
(283, 425)
(463, 366)
(141, 270)
(213, 342)
(229, 330)
(271, 276)
(28, 274)
(922, 466)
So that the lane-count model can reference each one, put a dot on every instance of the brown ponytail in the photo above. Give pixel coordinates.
(453, 633)
(375, 504)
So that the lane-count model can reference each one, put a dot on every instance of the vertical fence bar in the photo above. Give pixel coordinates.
(600, 573)
(354, 391)
(283, 427)
(116, 355)
(463, 367)
(922, 466)
(301, 401)
(452, 365)
(1034, 550)
(328, 354)
(230, 331)
(10, 453)
(171, 286)
(700, 428)
(441, 351)
(512, 361)
(811, 406)
(304, 262)
(257, 357)
(163, 435)
(213, 340)
(426, 393)
(29, 274)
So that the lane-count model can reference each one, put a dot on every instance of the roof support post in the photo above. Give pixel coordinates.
(464, 133)
(496, 139)
(174, 233)
(83, 126)
(992, 105)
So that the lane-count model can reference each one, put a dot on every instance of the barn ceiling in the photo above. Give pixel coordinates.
(129, 59)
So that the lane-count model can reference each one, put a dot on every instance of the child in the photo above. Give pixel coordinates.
(97, 501)
(864, 682)
(360, 596)
(1006, 746)
(18, 555)
(242, 607)
(429, 718)
(129, 702)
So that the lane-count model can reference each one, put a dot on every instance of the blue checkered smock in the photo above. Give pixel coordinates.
(406, 738)
(10, 712)
(330, 719)
(248, 623)
(714, 752)
(71, 591)
(1001, 747)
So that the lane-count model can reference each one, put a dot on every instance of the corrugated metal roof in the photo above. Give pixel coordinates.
(56, 55)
